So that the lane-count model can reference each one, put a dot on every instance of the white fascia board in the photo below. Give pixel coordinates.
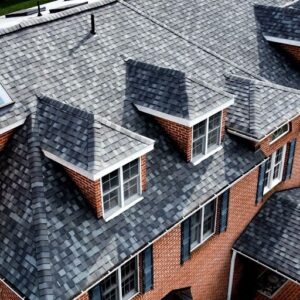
(282, 41)
(12, 126)
(244, 136)
(96, 176)
(182, 121)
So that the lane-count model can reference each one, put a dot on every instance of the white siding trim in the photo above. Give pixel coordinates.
(182, 121)
(282, 41)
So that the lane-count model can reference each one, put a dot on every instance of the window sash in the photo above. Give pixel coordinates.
(124, 197)
(197, 234)
(212, 131)
(277, 134)
(274, 169)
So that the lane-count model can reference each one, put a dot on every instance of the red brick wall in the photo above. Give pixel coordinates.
(292, 51)
(223, 128)
(5, 137)
(84, 296)
(290, 291)
(144, 172)
(6, 293)
(90, 189)
(181, 135)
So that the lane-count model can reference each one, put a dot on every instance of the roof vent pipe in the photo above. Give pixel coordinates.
(93, 24)
(39, 9)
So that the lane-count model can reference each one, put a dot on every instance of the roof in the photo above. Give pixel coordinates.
(87, 141)
(172, 92)
(260, 106)
(272, 237)
(62, 59)
(279, 22)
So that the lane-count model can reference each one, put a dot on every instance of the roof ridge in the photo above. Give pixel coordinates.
(52, 17)
(211, 52)
(265, 83)
(42, 244)
(91, 144)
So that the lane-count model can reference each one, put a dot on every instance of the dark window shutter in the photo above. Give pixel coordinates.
(224, 203)
(95, 293)
(290, 160)
(148, 269)
(185, 240)
(260, 184)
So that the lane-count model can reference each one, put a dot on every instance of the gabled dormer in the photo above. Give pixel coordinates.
(106, 161)
(191, 111)
(280, 26)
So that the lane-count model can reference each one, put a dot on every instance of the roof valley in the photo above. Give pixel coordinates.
(42, 244)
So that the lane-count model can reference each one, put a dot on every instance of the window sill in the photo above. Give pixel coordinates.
(197, 159)
(131, 295)
(197, 246)
(268, 189)
(112, 214)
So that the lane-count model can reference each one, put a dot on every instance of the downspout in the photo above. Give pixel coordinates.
(231, 274)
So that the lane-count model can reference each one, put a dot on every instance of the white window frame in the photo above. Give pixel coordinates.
(271, 182)
(202, 209)
(280, 136)
(124, 204)
(119, 280)
(200, 157)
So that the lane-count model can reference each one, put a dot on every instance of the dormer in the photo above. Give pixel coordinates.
(261, 114)
(190, 111)
(106, 161)
(9, 119)
(280, 26)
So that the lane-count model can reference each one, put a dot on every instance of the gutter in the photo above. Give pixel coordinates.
(168, 230)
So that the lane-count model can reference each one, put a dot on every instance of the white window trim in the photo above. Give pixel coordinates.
(272, 182)
(130, 202)
(119, 279)
(202, 222)
(198, 158)
(280, 136)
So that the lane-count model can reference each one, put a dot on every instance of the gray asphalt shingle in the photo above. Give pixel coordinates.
(272, 237)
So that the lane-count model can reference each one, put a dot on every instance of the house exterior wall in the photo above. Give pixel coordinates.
(292, 51)
(7, 293)
(210, 262)
(4, 137)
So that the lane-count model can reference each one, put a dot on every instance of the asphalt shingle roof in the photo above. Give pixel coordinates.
(279, 22)
(84, 139)
(62, 59)
(256, 110)
(171, 91)
(272, 237)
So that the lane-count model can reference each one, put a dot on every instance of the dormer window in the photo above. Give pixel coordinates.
(4, 97)
(206, 137)
(121, 188)
(276, 135)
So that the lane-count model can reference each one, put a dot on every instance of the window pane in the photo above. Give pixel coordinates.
(199, 146)
(209, 219)
(109, 287)
(128, 277)
(214, 121)
(131, 169)
(199, 130)
(110, 181)
(196, 228)
(131, 188)
(213, 138)
(111, 199)
(280, 132)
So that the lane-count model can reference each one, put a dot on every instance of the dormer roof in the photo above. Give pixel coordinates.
(90, 144)
(172, 94)
(260, 106)
(279, 22)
